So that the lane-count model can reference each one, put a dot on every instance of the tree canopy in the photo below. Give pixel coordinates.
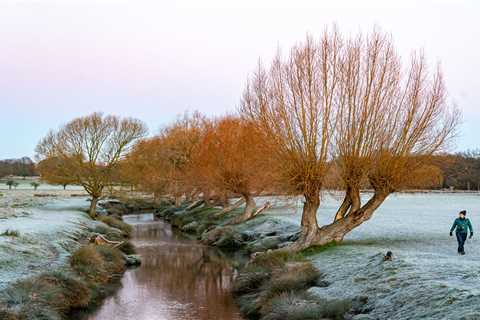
(88, 150)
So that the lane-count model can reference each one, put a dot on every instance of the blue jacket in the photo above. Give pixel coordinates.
(462, 225)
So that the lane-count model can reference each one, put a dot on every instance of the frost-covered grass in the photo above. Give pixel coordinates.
(17, 203)
(49, 296)
(274, 287)
(426, 279)
(46, 235)
(46, 268)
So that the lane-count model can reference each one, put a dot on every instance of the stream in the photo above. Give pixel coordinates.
(179, 279)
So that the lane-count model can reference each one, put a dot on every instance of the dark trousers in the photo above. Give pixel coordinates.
(461, 238)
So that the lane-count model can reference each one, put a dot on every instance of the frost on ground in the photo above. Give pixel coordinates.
(47, 227)
(426, 279)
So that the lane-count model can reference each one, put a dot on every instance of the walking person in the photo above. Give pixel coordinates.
(461, 225)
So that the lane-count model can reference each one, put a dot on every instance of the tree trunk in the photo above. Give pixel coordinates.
(356, 201)
(351, 203)
(309, 222)
(346, 204)
(249, 211)
(338, 229)
(93, 208)
(178, 201)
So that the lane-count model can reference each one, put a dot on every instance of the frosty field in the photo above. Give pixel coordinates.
(426, 279)
(46, 229)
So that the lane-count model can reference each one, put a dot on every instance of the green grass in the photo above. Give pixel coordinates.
(314, 250)
(10, 233)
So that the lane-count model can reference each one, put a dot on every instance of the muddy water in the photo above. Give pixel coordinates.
(178, 279)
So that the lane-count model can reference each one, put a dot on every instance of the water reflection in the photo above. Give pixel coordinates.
(178, 279)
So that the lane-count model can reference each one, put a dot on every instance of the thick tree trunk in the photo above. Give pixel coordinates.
(249, 211)
(93, 207)
(337, 230)
(309, 222)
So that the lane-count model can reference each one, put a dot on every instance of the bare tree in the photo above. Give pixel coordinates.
(89, 149)
(349, 104)
(293, 103)
(365, 103)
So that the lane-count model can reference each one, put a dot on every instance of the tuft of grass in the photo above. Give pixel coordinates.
(6, 314)
(251, 279)
(274, 286)
(293, 277)
(89, 264)
(98, 263)
(76, 292)
(228, 240)
(249, 306)
(48, 296)
(10, 233)
(116, 223)
(303, 306)
(113, 260)
(127, 247)
(109, 233)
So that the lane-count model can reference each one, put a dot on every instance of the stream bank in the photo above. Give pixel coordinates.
(272, 285)
(179, 278)
(48, 266)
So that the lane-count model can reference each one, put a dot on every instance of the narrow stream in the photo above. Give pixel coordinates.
(179, 279)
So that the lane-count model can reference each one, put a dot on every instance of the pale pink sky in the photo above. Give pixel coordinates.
(155, 59)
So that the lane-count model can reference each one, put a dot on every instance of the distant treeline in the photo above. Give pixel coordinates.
(460, 171)
(23, 167)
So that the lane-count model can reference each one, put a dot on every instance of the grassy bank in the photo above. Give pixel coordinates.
(274, 284)
(71, 273)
